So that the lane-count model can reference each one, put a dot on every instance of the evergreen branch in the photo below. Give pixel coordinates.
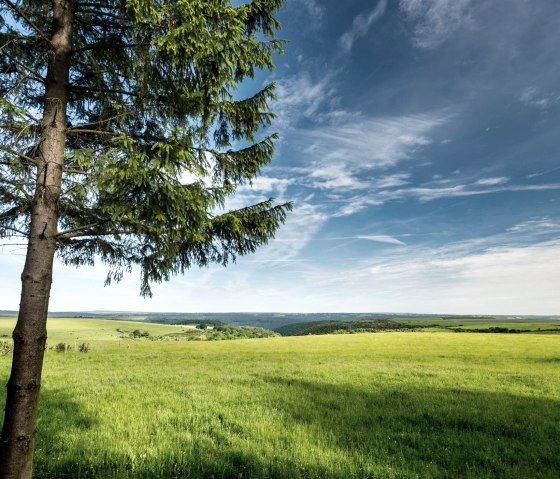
(96, 5)
(105, 120)
(70, 233)
(22, 14)
(18, 154)
(15, 230)
(109, 91)
(109, 46)
(26, 68)
(97, 233)
(6, 44)
(96, 13)
(20, 111)
(85, 130)
(72, 171)
(19, 188)
(12, 212)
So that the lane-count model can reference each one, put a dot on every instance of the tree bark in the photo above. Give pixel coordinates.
(30, 334)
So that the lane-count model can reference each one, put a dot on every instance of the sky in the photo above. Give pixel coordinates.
(419, 144)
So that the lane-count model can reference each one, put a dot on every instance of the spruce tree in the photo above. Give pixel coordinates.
(121, 137)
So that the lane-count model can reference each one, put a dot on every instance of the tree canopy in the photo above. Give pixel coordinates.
(151, 102)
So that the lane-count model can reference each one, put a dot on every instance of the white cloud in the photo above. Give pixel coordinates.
(436, 20)
(463, 278)
(382, 239)
(469, 277)
(493, 181)
(523, 279)
(361, 25)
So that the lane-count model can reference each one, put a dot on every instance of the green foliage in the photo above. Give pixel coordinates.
(139, 334)
(6, 347)
(157, 138)
(493, 329)
(84, 348)
(221, 332)
(61, 348)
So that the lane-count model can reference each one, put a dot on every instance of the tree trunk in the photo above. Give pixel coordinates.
(30, 333)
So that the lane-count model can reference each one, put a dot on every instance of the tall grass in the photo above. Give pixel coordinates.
(386, 405)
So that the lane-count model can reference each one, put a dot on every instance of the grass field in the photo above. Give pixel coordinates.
(383, 405)
(96, 331)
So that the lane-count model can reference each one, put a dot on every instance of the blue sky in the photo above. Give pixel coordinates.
(419, 143)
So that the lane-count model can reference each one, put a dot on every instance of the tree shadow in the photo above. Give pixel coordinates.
(432, 432)
(59, 415)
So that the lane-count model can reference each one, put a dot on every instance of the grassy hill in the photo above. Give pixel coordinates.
(386, 405)
(104, 332)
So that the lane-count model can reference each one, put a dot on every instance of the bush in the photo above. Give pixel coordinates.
(139, 334)
(84, 348)
(5, 347)
(202, 326)
(61, 348)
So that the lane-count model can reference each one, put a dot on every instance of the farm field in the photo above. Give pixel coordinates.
(380, 405)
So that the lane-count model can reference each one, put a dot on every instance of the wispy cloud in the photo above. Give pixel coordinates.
(493, 181)
(267, 185)
(502, 279)
(537, 226)
(382, 239)
(300, 228)
(429, 194)
(434, 21)
(335, 176)
(374, 197)
(361, 25)
(391, 181)
(371, 142)
(314, 10)
(534, 97)
(299, 96)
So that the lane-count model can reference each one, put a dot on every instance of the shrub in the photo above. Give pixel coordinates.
(84, 348)
(140, 334)
(61, 348)
(5, 347)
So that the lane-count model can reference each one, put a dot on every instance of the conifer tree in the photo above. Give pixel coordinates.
(121, 137)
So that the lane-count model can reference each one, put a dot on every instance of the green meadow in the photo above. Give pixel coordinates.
(372, 405)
